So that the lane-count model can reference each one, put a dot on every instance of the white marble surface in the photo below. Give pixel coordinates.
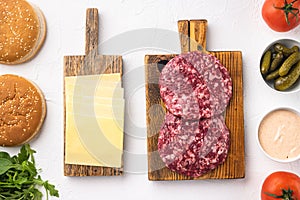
(232, 25)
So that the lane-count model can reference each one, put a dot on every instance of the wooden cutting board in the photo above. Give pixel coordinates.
(90, 64)
(193, 37)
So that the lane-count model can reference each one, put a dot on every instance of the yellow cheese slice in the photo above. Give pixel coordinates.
(105, 80)
(75, 152)
(96, 100)
(96, 110)
(94, 141)
(110, 84)
(110, 129)
(85, 90)
(94, 120)
(115, 77)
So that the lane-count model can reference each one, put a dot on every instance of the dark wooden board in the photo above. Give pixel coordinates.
(193, 37)
(90, 64)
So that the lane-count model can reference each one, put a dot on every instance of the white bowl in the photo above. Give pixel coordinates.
(288, 43)
(279, 136)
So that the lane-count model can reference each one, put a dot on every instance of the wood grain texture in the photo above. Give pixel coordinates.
(89, 64)
(91, 32)
(184, 29)
(234, 166)
(198, 35)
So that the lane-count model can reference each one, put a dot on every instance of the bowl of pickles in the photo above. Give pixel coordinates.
(280, 65)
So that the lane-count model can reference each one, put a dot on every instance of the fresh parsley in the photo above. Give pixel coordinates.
(19, 178)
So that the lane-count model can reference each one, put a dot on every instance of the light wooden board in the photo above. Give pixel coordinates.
(90, 64)
(193, 37)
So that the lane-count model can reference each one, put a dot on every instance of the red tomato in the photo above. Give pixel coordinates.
(281, 15)
(281, 185)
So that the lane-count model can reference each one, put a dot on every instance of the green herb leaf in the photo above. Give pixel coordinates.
(5, 155)
(51, 188)
(19, 177)
(5, 165)
(5, 162)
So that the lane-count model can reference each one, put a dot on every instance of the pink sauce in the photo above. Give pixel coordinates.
(279, 134)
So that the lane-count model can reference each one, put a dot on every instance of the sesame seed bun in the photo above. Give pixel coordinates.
(22, 31)
(22, 110)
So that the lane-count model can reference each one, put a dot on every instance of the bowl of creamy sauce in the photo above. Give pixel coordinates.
(279, 135)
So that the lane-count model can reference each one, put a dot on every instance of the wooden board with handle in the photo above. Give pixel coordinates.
(90, 64)
(193, 37)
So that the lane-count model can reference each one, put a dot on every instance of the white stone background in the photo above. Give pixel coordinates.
(232, 25)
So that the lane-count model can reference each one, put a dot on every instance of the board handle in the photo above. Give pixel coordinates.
(198, 35)
(91, 32)
(184, 35)
(192, 35)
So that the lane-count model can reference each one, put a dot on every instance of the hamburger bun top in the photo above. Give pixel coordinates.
(22, 110)
(22, 31)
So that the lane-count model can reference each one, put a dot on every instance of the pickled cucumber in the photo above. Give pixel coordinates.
(266, 62)
(276, 62)
(285, 50)
(288, 63)
(272, 75)
(295, 49)
(285, 82)
(281, 66)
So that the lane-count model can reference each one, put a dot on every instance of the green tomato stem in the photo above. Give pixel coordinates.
(289, 9)
(286, 194)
